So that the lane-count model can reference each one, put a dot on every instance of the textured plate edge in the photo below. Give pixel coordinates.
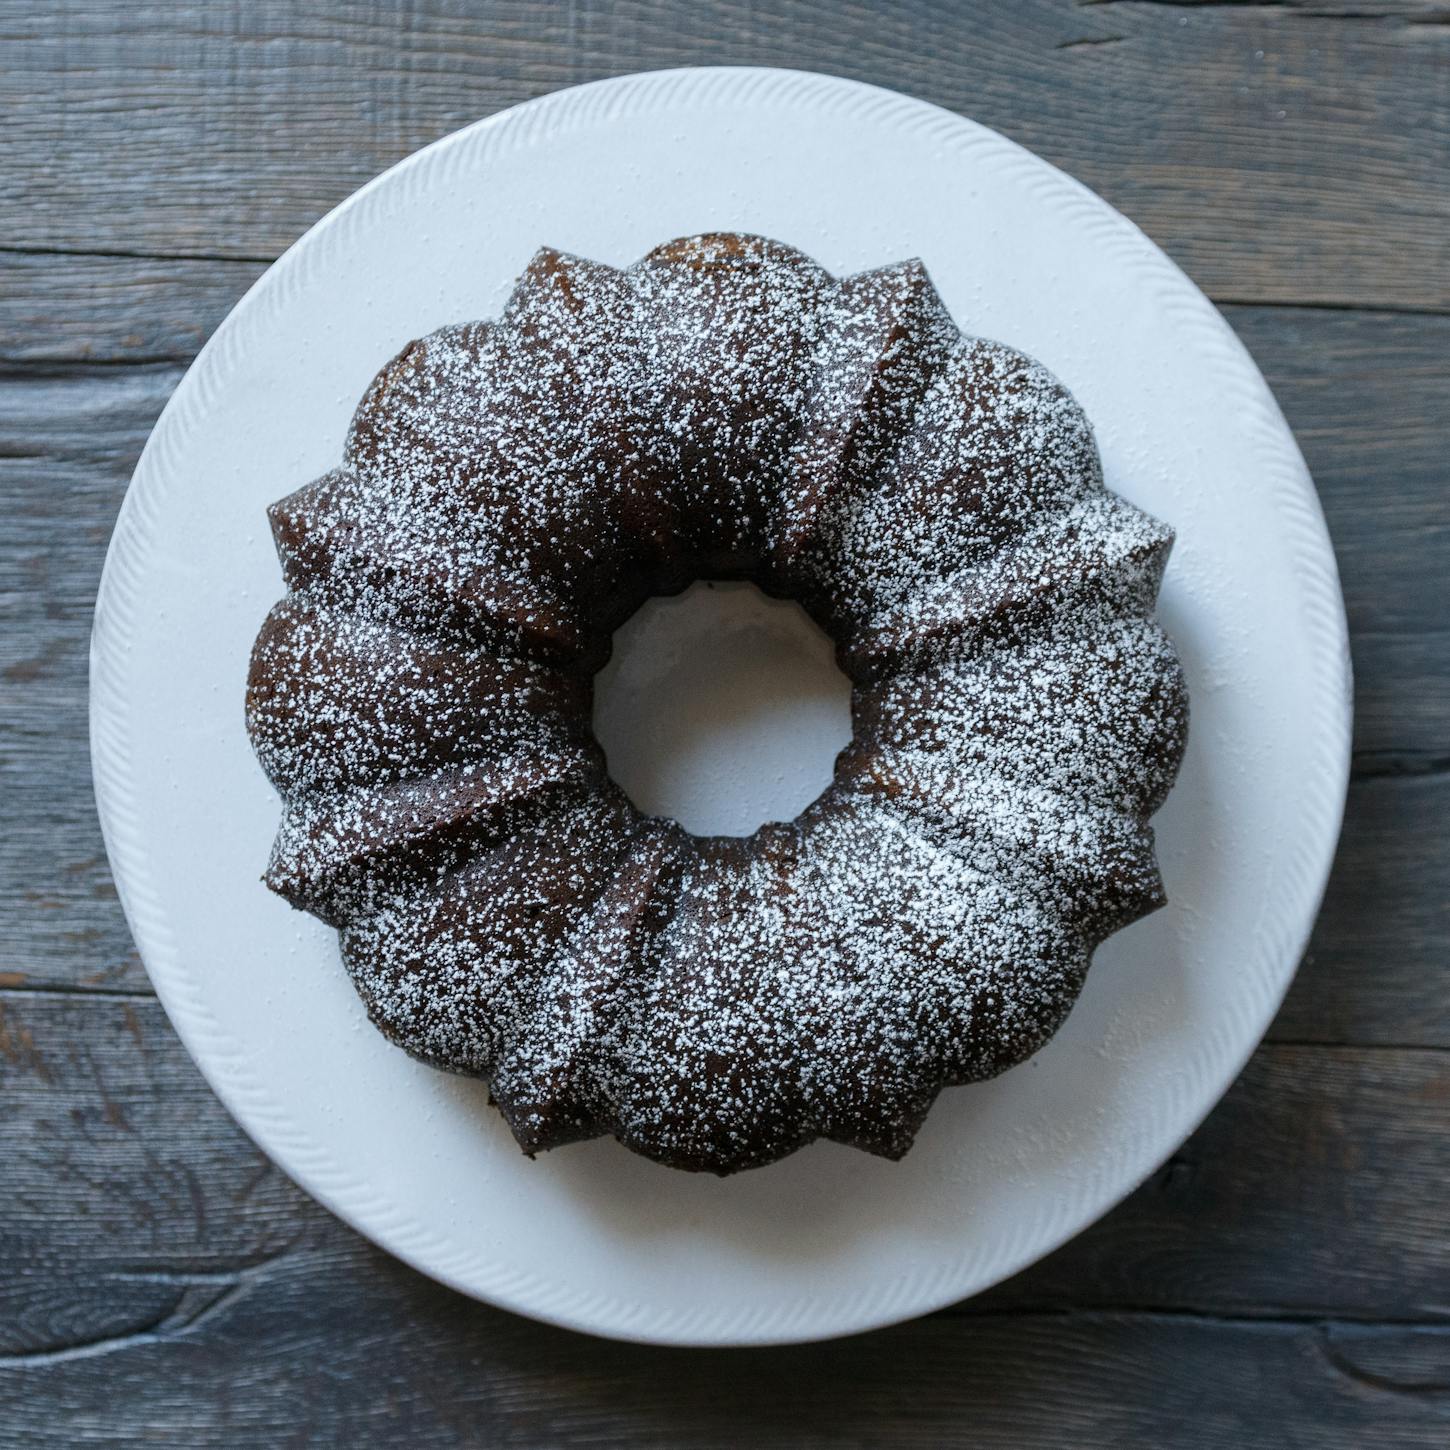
(1206, 1076)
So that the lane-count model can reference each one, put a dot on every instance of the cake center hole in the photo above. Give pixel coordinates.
(722, 708)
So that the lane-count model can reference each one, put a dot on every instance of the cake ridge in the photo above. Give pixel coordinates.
(827, 471)
(1093, 863)
(1024, 586)
(386, 706)
(343, 845)
(598, 959)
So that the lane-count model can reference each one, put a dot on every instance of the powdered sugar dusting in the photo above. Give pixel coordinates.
(510, 493)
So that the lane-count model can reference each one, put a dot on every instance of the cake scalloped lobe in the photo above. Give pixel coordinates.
(510, 492)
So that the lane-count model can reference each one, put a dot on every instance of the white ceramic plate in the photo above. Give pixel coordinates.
(830, 1241)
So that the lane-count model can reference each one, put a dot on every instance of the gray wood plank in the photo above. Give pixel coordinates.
(67, 449)
(85, 309)
(1313, 1190)
(1378, 965)
(309, 1357)
(1365, 394)
(127, 1186)
(1307, 160)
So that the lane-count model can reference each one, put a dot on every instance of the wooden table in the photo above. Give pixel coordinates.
(1285, 1280)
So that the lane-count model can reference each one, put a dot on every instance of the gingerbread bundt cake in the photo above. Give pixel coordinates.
(510, 493)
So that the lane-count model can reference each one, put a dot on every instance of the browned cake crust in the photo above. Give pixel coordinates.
(510, 493)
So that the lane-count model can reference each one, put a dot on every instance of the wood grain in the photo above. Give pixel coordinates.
(126, 1183)
(1378, 965)
(80, 309)
(1366, 396)
(310, 1355)
(148, 1243)
(1306, 160)
(67, 448)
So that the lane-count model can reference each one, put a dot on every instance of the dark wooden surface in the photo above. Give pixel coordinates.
(1284, 1281)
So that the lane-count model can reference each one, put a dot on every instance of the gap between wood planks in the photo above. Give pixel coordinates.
(247, 259)
(1296, 9)
(115, 254)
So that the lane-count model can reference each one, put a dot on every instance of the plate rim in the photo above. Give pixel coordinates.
(308, 1162)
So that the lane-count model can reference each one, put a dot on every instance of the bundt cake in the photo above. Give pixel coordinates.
(510, 493)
